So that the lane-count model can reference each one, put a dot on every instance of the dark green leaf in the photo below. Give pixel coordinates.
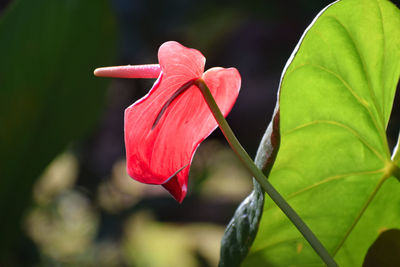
(385, 250)
(48, 95)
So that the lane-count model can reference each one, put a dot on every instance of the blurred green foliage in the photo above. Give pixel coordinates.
(48, 95)
(64, 223)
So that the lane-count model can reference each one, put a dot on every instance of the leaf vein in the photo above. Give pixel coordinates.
(359, 99)
(332, 178)
(362, 61)
(341, 125)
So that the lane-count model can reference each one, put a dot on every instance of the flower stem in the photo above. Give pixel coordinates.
(260, 177)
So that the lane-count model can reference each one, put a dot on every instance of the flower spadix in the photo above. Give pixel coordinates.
(164, 128)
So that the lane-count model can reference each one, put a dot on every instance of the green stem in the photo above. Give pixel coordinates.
(260, 177)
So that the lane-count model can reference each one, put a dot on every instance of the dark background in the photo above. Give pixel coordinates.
(256, 37)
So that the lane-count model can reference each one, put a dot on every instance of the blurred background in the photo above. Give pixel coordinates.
(65, 198)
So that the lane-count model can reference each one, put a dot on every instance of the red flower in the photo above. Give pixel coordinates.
(164, 128)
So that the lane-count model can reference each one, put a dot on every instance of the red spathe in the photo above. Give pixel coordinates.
(163, 154)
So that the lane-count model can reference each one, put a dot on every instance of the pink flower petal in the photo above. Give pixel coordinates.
(224, 84)
(163, 155)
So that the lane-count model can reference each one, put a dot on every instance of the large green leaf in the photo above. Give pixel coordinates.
(334, 165)
(48, 95)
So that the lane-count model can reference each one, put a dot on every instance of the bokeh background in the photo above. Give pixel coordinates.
(65, 198)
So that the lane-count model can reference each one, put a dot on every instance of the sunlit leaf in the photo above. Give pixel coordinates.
(336, 96)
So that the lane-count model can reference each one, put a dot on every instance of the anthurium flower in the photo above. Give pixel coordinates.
(165, 127)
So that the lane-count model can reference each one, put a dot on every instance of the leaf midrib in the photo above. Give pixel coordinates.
(360, 214)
